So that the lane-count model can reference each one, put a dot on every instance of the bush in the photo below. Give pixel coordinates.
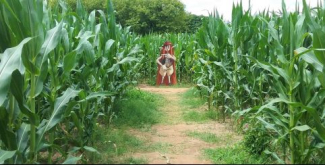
(256, 139)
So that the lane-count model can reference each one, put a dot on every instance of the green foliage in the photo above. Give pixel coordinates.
(200, 117)
(212, 114)
(71, 63)
(265, 67)
(234, 155)
(257, 139)
(195, 116)
(89, 5)
(194, 22)
(117, 142)
(65, 70)
(132, 160)
(192, 98)
(138, 109)
(145, 16)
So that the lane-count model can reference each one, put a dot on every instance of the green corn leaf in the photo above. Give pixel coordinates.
(312, 111)
(319, 42)
(4, 155)
(268, 125)
(320, 145)
(90, 149)
(28, 54)
(10, 61)
(66, 41)
(274, 155)
(309, 19)
(123, 61)
(265, 66)
(52, 39)
(72, 160)
(22, 137)
(91, 20)
(10, 9)
(57, 113)
(308, 56)
(69, 62)
(7, 136)
(84, 36)
(98, 94)
(301, 128)
(89, 52)
(22, 140)
(321, 78)
(282, 72)
(76, 122)
(16, 88)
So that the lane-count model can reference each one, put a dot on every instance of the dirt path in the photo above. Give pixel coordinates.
(170, 138)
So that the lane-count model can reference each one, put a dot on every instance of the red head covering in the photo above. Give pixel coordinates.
(164, 51)
(173, 76)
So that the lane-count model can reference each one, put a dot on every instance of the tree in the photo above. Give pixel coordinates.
(89, 5)
(194, 22)
(146, 16)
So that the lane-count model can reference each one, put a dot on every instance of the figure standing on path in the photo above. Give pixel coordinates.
(166, 65)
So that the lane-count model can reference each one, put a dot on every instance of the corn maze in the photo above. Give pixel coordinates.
(61, 69)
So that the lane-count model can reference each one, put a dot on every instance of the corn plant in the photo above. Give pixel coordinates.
(264, 69)
(292, 116)
(50, 82)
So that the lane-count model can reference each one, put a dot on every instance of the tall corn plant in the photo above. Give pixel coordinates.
(294, 115)
(34, 59)
(56, 56)
(213, 60)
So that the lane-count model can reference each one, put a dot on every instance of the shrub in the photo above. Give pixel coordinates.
(256, 139)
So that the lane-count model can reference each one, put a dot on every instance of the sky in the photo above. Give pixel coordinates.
(224, 7)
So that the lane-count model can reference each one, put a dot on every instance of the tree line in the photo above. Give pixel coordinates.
(147, 16)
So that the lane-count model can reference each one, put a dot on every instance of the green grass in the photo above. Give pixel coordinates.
(159, 146)
(204, 136)
(191, 102)
(234, 155)
(112, 143)
(191, 99)
(199, 117)
(137, 110)
(195, 116)
(133, 160)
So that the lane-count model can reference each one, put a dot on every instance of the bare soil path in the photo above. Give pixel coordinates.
(173, 145)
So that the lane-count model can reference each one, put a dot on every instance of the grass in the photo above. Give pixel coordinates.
(159, 146)
(234, 155)
(191, 102)
(137, 110)
(204, 136)
(112, 143)
(199, 117)
(132, 160)
(191, 99)
(140, 110)
(194, 116)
